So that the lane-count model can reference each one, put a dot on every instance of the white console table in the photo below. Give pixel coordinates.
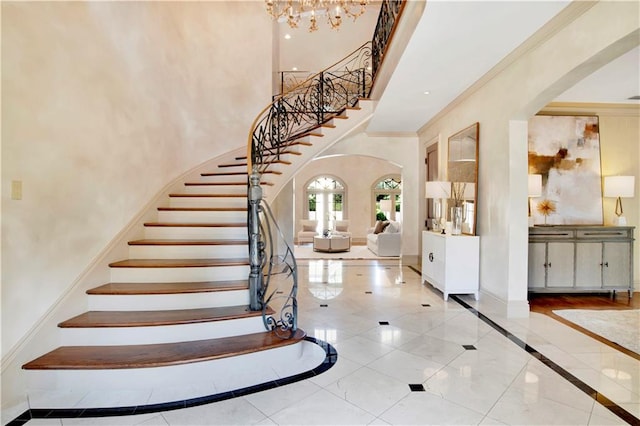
(451, 263)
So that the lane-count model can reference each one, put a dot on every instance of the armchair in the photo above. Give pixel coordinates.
(342, 228)
(307, 231)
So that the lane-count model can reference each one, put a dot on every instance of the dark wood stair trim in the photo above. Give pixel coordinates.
(213, 174)
(202, 209)
(269, 152)
(158, 355)
(167, 242)
(177, 263)
(131, 289)
(244, 164)
(196, 225)
(205, 184)
(123, 319)
(187, 195)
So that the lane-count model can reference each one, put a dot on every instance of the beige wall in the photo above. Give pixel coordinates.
(359, 174)
(567, 50)
(104, 104)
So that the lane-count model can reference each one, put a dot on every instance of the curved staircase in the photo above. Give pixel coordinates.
(175, 315)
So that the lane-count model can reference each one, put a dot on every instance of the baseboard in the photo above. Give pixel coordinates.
(507, 308)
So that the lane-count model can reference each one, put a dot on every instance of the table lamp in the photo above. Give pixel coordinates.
(437, 190)
(619, 187)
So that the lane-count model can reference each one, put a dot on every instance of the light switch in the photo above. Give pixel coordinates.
(16, 190)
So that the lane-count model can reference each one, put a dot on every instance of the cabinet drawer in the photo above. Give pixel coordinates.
(587, 234)
(550, 233)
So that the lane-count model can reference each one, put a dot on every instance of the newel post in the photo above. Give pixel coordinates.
(255, 244)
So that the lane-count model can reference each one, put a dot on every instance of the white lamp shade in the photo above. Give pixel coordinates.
(385, 205)
(619, 186)
(437, 189)
(535, 185)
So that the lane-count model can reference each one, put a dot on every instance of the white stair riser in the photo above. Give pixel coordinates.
(225, 178)
(156, 302)
(103, 336)
(225, 374)
(171, 275)
(211, 202)
(215, 189)
(232, 169)
(173, 216)
(188, 251)
(194, 232)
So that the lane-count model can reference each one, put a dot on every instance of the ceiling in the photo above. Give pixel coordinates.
(454, 44)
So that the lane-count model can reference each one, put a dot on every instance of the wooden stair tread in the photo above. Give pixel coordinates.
(275, 172)
(187, 195)
(196, 225)
(272, 152)
(168, 288)
(157, 355)
(177, 263)
(100, 319)
(244, 164)
(202, 209)
(167, 242)
(205, 184)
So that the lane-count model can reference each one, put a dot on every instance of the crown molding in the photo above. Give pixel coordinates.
(587, 108)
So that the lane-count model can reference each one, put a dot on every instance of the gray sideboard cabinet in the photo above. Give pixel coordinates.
(580, 258)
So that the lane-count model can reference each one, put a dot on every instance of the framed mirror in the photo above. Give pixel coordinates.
(462, 172)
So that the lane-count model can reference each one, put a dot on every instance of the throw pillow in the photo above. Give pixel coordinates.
(342, 228)
(380, 226)
(307, 228)
(393, 228)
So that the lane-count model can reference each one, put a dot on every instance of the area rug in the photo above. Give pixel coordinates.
(618, 326)
(357, 252)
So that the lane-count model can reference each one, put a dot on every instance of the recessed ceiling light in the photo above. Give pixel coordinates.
(294, 69)
(287, 36)
(426, 92)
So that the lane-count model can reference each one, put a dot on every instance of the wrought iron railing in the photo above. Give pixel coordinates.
(308, 106)
(273, 278)
(390, 11)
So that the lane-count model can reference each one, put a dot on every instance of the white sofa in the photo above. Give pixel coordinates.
(307, 231)
(387, 242)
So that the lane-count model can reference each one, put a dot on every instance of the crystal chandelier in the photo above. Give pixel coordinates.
(293, 10)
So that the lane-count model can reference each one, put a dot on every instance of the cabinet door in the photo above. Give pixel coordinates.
(433, 247)
(616, 265)
(537, 262)
(588, 265)
(560, 264)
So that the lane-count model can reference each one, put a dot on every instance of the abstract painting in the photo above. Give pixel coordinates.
(565, 150)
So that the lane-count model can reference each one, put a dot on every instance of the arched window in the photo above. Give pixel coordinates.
(325, 201)
(388, 188)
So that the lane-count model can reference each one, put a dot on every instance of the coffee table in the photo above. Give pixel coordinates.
(331, 244)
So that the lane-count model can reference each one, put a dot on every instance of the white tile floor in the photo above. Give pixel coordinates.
(497, 383)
